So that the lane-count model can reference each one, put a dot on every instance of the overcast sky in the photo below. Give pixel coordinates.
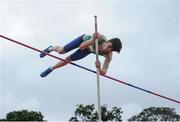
(148, 29)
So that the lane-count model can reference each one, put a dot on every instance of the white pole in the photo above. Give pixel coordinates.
(97, 70)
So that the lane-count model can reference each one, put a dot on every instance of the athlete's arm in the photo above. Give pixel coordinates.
(87, 43)
(107, 60)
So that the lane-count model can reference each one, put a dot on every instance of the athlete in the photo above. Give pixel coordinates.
(85, 45)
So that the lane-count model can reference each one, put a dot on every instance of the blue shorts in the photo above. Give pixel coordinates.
(78, 54)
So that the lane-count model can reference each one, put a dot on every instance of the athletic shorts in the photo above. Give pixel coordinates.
(78, 54)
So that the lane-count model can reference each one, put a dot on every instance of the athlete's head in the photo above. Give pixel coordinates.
(116, 44)
(112, 45)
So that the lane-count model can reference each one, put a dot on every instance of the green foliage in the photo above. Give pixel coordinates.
(88, 113)
(24, 115)
(156, 114)
(2, 119)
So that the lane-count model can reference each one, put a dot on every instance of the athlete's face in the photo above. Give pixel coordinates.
(106, 47)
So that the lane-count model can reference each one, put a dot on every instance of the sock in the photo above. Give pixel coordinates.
(50, 49)
(51, 67)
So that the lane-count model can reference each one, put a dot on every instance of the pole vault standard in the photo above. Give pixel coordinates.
(97, 71)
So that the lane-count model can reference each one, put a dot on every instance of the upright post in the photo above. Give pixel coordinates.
(98, 72)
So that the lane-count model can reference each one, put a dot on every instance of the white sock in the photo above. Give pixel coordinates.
(51, 67)
(50, 49)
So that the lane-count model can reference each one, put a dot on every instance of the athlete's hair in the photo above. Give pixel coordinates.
(116, 44)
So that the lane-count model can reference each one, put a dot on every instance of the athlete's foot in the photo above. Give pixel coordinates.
(46, 72)
(47, 50)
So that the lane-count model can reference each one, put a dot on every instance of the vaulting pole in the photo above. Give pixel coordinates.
(97, 72)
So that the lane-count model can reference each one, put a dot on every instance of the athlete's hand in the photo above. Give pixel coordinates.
(98, 64)
(102, 72)
(96, 36)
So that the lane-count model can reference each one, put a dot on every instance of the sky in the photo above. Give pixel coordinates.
(150, 56)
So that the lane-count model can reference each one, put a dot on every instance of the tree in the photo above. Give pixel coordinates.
(156, 114)
(88, 113)
(2, 119)
(24, 115)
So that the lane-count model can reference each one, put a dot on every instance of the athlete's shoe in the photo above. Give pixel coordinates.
(45, 50)
(46, 72)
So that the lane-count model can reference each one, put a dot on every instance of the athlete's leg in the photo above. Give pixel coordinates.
(61, 50)
(61, 63)
(68, 47)
(73, 44)
(58, 65)
(79, 54)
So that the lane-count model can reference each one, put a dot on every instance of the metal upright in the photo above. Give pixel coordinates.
(98, 72)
